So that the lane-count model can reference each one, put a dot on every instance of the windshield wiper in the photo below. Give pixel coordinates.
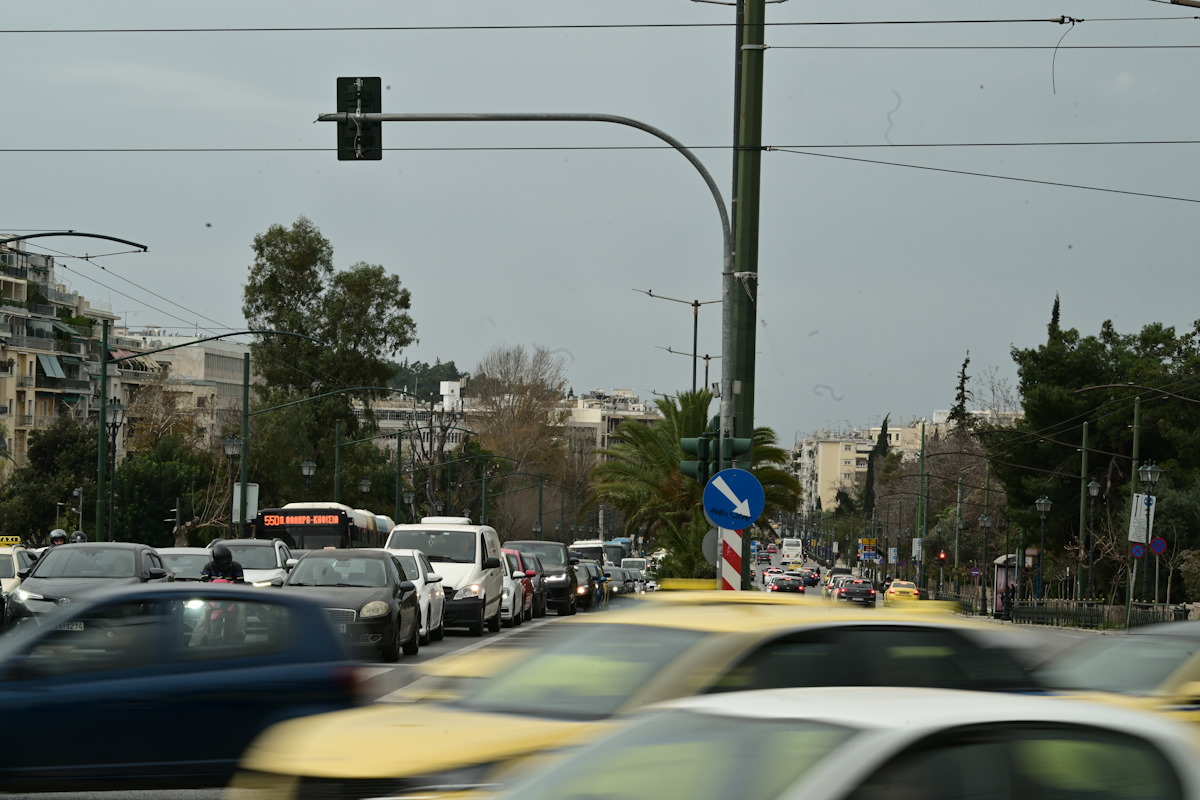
(440, 558)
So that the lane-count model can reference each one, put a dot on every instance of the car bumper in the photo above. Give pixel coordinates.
(367, 633)
(461, 613)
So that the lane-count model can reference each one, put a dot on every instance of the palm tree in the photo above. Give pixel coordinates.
(640, 475)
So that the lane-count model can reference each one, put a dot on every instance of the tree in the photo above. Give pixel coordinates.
(959, 418)
(61, 458)
(421, 379)
(151, 485)
(517, 393)
(360, 314)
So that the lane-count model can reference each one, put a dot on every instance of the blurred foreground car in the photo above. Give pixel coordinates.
(674, 645)
(123, 690)
(931, 744)
(1155, 668)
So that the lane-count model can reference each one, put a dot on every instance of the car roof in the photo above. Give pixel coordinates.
(909, 708)
(350, 552)
(181, 551)
(118, 545)
(240, 542)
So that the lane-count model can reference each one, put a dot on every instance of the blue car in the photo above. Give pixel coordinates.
(161, 685)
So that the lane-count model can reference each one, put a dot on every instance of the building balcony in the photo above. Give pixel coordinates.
(31, 342)
(62, 384)
(24, 420)
(24, 380)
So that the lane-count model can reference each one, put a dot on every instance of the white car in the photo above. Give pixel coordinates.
(512, 604)
(880, 743)
(14, 559)
(430, 594)
(264, 561)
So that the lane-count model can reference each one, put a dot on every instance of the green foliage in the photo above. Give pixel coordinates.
(421, 379)
(958, 416)
(147, 486)
(61, 458)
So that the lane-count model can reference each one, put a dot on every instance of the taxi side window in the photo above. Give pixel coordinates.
(118, 636)
(1001, 761)
(869, 655)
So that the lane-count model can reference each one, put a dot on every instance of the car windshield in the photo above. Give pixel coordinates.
(321, 570)
(454, 546)
(186, 566)
(588, 674)
(549, 552)
(1129, 664)
(76, 561)
(254, 556)
(694, 755)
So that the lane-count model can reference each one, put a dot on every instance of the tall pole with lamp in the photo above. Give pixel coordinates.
(233, 449)
(985, 525)
(308, 468)
(116, 416)
(1093, 491)
(1149, 474)
(1043, 504)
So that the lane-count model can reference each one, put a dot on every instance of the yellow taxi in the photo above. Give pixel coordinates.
(1154, 668)
(670, 645)
(901, 591)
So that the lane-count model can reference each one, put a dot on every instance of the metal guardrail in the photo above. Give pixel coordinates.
(1095, 615)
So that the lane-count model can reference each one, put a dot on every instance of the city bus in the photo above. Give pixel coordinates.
(590, 549)
(316, 525)
(791, 550)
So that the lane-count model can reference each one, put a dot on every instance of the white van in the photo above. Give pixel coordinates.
(468, 558)
(791, 550)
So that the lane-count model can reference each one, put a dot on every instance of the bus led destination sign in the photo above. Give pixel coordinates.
(271, 520)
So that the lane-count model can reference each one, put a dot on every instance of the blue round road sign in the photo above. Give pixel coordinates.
(976, 572)
(1158, 545)
(733, 499)
(1137, 550)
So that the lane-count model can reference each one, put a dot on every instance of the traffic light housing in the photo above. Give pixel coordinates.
(942, 556)
(732, 450)
(357, 139)
(703, 448)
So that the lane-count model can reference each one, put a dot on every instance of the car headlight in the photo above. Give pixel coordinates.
(24, 594)
(556, 579)
(375, 608)
(507, 590)
(468, 592)
(582, 590)
(261, 584)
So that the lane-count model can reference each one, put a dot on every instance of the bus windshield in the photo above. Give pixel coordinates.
(594, 552)
(454, 546)
(551, 553)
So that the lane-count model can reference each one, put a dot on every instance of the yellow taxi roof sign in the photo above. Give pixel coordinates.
(10, 540)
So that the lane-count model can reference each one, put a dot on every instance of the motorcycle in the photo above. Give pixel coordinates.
(219, 623)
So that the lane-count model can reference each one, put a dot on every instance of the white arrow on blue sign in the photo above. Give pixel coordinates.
(733, 499)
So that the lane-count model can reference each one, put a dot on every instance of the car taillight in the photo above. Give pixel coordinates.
(872, 591)
(891, 591)
(774, 588)
(842, 590)
(916, 593)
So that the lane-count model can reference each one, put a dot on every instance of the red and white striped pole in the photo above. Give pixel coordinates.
(731, 560)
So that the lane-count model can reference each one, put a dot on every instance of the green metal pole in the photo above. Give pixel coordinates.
(484, 509)
(102, 532)
(399, 479)
(541, 486)
(1131, 573)
(245, 465)
(1083, 502)
(337, 461)
(921, 511)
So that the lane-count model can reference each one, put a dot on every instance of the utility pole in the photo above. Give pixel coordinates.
(741, 298)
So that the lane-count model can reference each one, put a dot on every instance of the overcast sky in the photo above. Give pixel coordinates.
(875, 280)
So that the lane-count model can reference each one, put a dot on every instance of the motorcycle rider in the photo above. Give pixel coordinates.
(57, 536)
(78, 536)
(222, 566)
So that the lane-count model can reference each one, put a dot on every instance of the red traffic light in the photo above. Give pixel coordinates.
(942, 555)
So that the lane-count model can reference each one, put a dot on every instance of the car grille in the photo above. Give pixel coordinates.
(340, 614)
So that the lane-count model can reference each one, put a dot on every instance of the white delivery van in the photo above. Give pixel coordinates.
(468, 558)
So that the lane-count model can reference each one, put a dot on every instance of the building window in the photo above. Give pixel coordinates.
(845, 447)
(845, 462)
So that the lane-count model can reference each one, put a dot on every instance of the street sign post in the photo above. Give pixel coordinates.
(976, 572)
(1140, 518)
(1158, 545)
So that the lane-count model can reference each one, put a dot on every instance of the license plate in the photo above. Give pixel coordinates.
(69, 626)
(341, 628)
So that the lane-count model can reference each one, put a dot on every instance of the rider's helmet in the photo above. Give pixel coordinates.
(222, 556)
(78, 536)
(58, 536)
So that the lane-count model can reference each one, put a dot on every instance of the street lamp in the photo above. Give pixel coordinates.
(364, 486)
(558, 531)
(985, 524)
(1043, 504)
(1149, 473)
(233, 449)
(308, 468)
(439, 506)
(1093, 492)
(537, 531)
(116, 417)
(408, 501)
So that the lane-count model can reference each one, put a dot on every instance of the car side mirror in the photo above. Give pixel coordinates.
(491, 563)
(407, 586)
(157, 574)
(23, 574)
(433, 577)
(530, 573)
(277, 582)
(573, 561)
(518, 574)
(291, 562)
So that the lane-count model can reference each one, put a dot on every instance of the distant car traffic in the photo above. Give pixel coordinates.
(932, 744)
(517, 603)
(264, 561)
(561, 583)
(368, 600)
(161, 704)
(787, 583)
(901, 591)
(431, 596)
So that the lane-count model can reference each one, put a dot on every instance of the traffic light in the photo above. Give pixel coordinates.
(731, 449)
(941, 556)
(702, 448)
(357, 139)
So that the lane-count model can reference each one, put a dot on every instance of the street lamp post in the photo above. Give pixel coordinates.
(116, 410)
(233, 449)
(364, 488)
(985, 524)
(408, 501)
(537, 531)
(1093, 491)
(308, 468)
(1043, 504)
(695, 304)
(1149, 474)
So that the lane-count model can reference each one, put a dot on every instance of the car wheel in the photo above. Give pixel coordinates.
(567, 608)
(424, 640)
(476, 628)
(439, 633)
(390, 651)
(413, 645)
(493, 624)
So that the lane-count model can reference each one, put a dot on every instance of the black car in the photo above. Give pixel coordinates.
(69, 573)
(368, 598)
(541, 591)
(587, 587)
(788, 583)
(134, 688)
(562, 584)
